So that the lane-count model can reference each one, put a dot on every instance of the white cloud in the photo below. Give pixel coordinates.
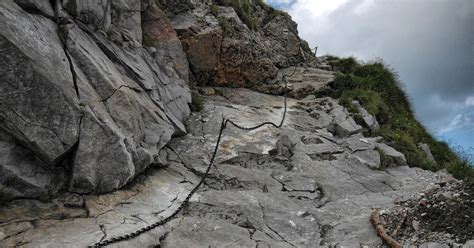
(364, 7)
(316, 8)
(461, 121)
(469, 101)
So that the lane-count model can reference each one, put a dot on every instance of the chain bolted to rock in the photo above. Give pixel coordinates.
(224, 123)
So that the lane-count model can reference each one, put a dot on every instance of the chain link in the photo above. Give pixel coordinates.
(224, 123)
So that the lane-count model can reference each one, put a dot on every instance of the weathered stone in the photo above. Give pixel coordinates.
(284, 147)
(426, 149)
(38, 103)
(370, 158)
(159, 33)
(369, 120)
(97, 14)
(250, 198)
(223, 50)
(343, 125)
(75, 91)
(397, 157)
(125, 20)
(22, 174)
(209, 233)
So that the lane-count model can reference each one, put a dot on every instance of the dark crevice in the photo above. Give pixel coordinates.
(73, 71)
(34, 11)
(117, 89)
(71, 157)
(104, 232)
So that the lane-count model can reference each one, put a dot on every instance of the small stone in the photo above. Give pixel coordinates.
(416, 225)
(301, 213)
(423, 202)
(207, 91)
(447, 195)
(292, 223)
(71, 200)
(2, 235)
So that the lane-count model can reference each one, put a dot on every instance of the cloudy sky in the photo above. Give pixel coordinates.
(430, 43)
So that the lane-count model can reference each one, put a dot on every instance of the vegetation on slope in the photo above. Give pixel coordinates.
(378, 90)
(246, 10)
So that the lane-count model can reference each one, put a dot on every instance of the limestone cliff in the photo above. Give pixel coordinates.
(92, 91)
(84, 105)
(236, 43)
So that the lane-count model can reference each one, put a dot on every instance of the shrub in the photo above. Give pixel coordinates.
(305, 46)
(345, 65)
(271, 14)
(215, 10)
(244, 10)
(197, 102)
(226, 25)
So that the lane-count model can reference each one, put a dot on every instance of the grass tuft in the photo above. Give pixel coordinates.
(197, 102)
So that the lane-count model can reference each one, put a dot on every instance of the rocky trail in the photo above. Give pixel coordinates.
(314, 182)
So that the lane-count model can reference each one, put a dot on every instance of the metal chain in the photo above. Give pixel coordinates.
(224, 123)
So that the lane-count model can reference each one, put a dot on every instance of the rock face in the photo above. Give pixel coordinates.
(426, 149)
(298, 186)
(369, 120)
(83, 105)
(224, 48)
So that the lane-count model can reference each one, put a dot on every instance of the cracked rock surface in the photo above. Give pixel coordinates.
(303, 185)
(84, 106)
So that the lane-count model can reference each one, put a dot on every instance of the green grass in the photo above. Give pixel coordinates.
(378, 90)
(226, 25)
(244, 10)
(215, 10)
(345, 65)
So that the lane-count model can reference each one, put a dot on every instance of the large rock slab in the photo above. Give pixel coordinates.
(39, 106)
(343, 124)
(83, 97)
(394, 157)
(39, 110)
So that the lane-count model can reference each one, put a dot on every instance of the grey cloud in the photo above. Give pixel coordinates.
(430, 43)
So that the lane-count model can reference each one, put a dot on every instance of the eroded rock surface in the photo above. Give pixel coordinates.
(223, 49)
(298, 186)
(83, 105)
